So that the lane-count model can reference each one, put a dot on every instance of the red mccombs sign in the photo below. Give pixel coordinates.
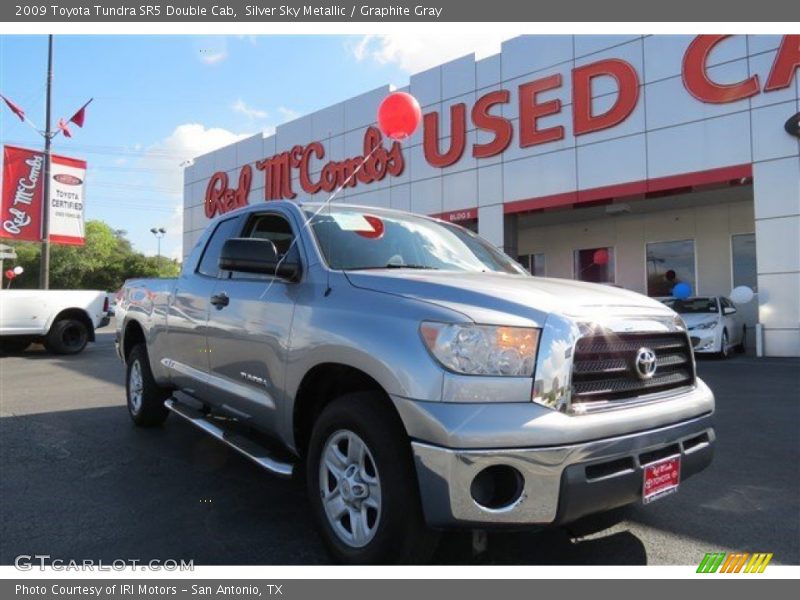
(280, 168)
(21, 206)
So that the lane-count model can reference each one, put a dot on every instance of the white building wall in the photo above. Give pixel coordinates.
(669, 133)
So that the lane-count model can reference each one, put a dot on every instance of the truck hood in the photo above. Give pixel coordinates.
(502, 298)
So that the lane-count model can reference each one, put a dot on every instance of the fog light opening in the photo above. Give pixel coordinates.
(497, 487)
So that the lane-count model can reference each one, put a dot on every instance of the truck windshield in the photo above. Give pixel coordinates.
(355, 239)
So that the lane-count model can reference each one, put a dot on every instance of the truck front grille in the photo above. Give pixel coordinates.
(604, 367)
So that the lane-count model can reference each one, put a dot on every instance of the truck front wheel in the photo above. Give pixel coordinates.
(145, 397)
(362, 484)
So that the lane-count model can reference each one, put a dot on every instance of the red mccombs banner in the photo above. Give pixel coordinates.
(21, 202)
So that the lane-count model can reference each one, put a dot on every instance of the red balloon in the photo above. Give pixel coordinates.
(600, 256)
(399, 115)
(10, 274)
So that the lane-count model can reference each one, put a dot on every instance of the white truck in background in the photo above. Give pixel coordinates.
(63, 320)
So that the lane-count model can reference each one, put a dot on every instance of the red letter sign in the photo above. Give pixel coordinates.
(697, 81)
(530, 111)
(458, 136)
(21, 206)
(785, 65)
(627, 83)
(484, 120)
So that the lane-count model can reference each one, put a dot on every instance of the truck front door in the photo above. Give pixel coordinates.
(248, 331)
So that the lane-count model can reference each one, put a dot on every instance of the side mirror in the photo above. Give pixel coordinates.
(728, 310)
(253, 255)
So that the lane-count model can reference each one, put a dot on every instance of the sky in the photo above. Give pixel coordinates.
(162, 100)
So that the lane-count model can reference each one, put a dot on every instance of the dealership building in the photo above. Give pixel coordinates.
(676, 157)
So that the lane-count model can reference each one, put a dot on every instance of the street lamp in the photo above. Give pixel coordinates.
(159, 233)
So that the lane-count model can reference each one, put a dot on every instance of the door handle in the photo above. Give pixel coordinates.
(220, 300)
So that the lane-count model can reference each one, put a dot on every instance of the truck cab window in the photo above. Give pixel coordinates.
(273, 228)
(209, 264)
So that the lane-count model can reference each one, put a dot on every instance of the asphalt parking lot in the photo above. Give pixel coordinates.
(77, 481)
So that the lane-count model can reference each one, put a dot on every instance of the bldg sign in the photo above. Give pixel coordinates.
(21, 202)
(377, 162)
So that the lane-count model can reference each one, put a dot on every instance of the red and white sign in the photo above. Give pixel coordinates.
(458, 216)
(661, 478)
(66, 201)
(23, 184)
(23, 179)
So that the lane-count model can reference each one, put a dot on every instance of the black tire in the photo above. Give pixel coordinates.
(146, 409)
(724, 351)
(14, 344)
(67, 336)
(400, 534)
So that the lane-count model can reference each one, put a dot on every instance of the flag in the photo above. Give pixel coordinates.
(14, 108)
(79, 116)
(62, 125)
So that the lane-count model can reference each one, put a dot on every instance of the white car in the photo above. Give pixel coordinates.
(714, 323)
(63, 320)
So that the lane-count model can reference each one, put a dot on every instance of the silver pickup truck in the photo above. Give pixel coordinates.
(418, 377)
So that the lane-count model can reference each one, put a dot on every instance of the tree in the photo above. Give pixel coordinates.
(103, 263)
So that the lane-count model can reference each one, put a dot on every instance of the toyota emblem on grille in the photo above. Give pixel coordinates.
(645, 363)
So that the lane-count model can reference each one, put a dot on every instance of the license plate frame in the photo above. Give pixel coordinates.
(661, 478)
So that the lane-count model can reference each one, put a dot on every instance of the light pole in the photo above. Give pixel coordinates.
(48, 134)
(44, 260)
(159, 233)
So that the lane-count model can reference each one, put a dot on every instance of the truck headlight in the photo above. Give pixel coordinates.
(482, 349)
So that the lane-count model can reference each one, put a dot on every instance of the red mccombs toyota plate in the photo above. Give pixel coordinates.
(661, 479)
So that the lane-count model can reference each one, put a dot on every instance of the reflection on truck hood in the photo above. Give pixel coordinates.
(497, 297)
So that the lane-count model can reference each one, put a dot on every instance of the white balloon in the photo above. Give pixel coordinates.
(18, 270)
(741, 294)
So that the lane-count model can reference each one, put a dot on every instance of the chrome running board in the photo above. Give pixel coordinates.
(245, 446)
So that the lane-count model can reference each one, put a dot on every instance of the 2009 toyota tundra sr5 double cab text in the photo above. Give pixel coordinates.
(421, 378)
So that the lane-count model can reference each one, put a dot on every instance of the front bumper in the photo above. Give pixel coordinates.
(559, 483)
(704, 342)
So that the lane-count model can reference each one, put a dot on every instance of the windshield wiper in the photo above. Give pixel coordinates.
(396, 266)
(392, 266)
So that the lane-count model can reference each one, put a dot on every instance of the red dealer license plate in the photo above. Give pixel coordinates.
(661, 479)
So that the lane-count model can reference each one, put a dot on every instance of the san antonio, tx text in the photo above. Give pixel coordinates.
(129, 589)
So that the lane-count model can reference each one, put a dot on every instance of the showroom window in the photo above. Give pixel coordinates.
(595, 265)
(534, 263)
(744, 260)
(668, 264)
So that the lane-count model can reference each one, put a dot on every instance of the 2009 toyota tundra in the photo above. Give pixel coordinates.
(421, 378)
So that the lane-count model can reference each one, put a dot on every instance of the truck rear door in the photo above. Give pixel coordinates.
(187, 355)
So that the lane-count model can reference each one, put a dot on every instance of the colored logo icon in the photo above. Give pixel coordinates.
(734, 562)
